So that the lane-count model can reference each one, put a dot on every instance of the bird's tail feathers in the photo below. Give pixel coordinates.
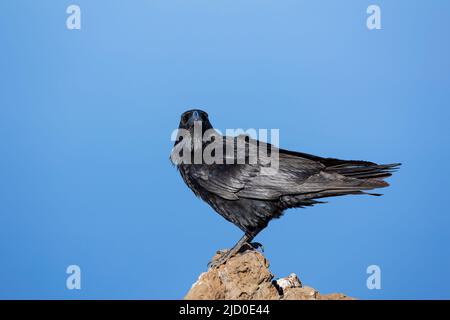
(362, 170)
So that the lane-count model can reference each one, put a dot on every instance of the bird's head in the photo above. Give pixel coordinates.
(191, 130)
(194, 117)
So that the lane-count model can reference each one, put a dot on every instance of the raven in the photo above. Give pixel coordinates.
(247, 193)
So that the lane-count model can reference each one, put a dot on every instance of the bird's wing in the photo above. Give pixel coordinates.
(262, 179)
(223, 180)
(293, 174)
(290, 176)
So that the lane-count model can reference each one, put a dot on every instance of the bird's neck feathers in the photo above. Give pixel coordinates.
(190, 143)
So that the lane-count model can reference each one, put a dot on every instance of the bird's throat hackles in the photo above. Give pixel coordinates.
(238, 146)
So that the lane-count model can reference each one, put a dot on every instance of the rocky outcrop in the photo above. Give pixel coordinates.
(246, 276)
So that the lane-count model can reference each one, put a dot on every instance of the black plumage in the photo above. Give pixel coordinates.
(249, 198)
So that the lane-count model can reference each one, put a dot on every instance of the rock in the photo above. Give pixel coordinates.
(246, 276)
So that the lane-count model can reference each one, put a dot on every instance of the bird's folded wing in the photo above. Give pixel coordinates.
(224, 180)
(267, 179)
(288, 177)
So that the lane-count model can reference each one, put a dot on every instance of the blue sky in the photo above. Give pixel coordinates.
(86, 117)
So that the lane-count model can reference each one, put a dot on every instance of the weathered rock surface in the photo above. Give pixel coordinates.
(246, 276)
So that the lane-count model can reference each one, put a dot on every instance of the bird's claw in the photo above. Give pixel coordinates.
(219, 261)
(257, 246)
(252, 246)
(226, 254)
(214, 264)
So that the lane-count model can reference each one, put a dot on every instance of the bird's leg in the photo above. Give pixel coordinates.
(237, 247)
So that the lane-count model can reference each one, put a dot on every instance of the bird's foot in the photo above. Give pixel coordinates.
(227, 254)
(257, 246)
(224, 256)
(253, 246)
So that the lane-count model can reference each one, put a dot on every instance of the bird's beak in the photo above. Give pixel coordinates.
(194, 117)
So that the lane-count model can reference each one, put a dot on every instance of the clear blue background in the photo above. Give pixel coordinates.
(86, 117)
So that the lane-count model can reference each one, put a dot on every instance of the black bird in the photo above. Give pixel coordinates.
(249, 197)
